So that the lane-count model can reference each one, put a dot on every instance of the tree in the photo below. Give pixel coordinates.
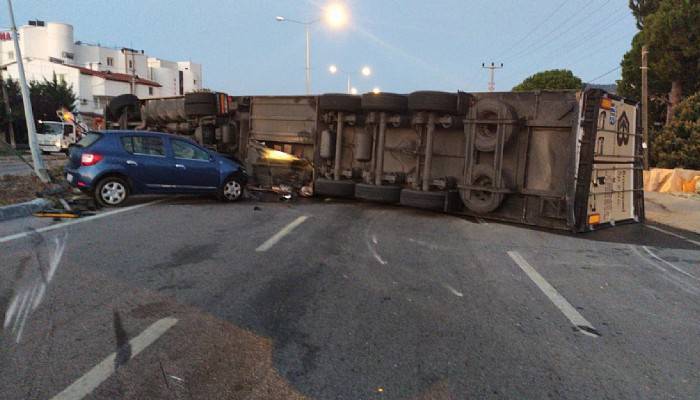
(550, 80)
(678, 144)
(672, 33)
(642, 8)
(49, 96)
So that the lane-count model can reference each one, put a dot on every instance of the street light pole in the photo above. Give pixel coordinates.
(308, 58)
(38, 162)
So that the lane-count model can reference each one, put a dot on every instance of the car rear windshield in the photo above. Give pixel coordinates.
(88, 139)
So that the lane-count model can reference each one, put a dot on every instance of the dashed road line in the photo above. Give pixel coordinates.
(579, 322)
(94, 378)
(656, 228)
(282, 233)
(454, 291)
(682, 271)
(75, 221)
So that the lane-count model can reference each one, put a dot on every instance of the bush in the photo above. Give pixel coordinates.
(678, 144)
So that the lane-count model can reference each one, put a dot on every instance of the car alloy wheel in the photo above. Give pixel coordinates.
(113, 193)
(232, 190)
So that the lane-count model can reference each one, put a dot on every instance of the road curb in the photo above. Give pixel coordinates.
(20, 210)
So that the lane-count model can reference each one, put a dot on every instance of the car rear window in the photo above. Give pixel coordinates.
(148, 145)
(88, 139)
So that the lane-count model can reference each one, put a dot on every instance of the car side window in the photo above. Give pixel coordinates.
(188, 151)
(147, 145)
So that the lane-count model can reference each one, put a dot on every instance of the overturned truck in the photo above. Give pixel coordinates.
(555, 159)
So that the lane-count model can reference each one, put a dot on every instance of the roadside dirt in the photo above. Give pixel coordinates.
(18, 189)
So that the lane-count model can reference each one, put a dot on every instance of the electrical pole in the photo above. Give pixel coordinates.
(645, 106)
(492, 68)
(308, 58)
(8, 112)
(39, 167)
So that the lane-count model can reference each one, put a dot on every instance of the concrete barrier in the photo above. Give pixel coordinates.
(23, 209)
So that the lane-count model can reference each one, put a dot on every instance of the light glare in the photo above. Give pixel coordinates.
(366, 71)
(336, 15)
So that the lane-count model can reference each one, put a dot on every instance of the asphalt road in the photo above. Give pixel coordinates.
(189, 298)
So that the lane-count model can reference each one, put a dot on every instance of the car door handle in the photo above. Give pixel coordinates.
(179, 166)
(131, 162)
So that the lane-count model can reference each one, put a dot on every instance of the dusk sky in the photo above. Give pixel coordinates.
(409, 44)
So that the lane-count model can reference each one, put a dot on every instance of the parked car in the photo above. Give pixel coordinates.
(112, 165)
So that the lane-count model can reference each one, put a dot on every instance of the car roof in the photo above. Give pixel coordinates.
(144, 133)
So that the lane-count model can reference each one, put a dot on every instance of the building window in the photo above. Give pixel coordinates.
(11, 55)
(61, 77)
(110, 61)
(131, 64)
(67, 55)
(194, 82)
(150, 90)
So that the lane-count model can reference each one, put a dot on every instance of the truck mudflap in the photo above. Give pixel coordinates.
(609, 180)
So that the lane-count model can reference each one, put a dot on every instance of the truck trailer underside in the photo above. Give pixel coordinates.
(556, 159)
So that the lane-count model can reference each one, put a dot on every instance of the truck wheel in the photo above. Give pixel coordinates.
(489, 109)
(424, 200)
(111, 191)
(480, 201)
(390, 102)
(441, 102)
(340, 102)
(200, 104)
(116, 105)
(381, 194)
(331, 188)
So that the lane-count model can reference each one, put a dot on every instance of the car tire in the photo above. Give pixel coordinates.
(111, 191)
(441, 102)
(389, 102)
(389, 194)
(424, 200)
(478, 201)
(331, 188)
(485, 137)
(117, 105)
(232, 189)
(340, 102)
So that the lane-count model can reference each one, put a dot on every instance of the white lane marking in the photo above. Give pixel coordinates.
(454, 291)
(688, 274)
(76, 221)
(562, 304)
(371, 247)
(93, 378)
(695, 242)
(282, 233)
(374, 239)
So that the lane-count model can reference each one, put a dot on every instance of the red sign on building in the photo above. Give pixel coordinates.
(5, 36)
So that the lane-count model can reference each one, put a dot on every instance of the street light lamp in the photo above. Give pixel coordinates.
(365, 71)
(376, 90)
(335, 15)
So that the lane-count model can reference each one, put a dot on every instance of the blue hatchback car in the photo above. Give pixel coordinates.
(112, 165)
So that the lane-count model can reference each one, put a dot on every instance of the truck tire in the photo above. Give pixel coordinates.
(116, 105)
(331, 188)
(485, 136)
(425, 200)
(381, 194)
(200, 104)
(390, 102)
(477, 201)
(441, 102)
(340, 102)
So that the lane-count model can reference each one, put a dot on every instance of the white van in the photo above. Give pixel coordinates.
(55, 136)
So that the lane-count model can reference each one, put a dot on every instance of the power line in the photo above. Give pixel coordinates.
(570, 28)
(605, 74)
(526, 49)
(527, 35)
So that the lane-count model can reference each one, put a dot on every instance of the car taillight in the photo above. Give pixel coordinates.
(88, 159)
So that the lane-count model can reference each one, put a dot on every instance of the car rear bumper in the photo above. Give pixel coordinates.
(78, 180)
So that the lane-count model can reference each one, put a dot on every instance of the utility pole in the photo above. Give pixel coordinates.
(38, 162)
(645, 106)
(8, 112)
(492, 68)
(308, 58)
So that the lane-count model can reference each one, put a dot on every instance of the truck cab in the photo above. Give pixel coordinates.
(55, 136)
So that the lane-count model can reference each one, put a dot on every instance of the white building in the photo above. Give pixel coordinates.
(97, 73)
